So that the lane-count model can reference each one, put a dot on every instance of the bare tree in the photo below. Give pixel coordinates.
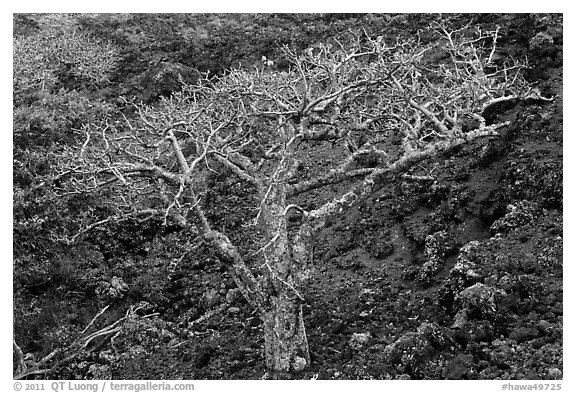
(360, 94)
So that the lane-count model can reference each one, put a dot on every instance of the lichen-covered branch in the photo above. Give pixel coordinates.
(376, 177)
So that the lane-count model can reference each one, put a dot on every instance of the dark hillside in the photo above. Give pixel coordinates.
(451, 271)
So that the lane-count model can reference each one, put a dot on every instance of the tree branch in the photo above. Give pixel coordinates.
(319, 215)
(148, 212)
(228, 254)
(333, 177)
(236, 169)
(337, 175)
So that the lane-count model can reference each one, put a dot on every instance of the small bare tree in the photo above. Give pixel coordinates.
(359, 93)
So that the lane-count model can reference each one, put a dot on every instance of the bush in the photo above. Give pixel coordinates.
(44, 59)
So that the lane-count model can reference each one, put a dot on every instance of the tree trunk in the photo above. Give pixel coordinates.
(286, 345)
(285, 272)
(285, 342)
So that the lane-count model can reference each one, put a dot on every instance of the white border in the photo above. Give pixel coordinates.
(500, 6)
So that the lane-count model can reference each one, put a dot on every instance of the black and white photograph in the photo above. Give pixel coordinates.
(287, 196)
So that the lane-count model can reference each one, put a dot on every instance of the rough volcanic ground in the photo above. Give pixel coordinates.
(459, 277)
(455, 277)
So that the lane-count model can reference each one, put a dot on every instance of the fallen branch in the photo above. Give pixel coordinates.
(72, 351)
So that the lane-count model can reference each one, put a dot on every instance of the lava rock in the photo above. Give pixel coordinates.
(458, 367)
(543, 325)
(517, 215)
(337, 327)
(203, 356)
(538, 342)
(542, 44)
(554, 373)
(524, 334)
(501, 354)
(478, 300)
(413, 350)
(381, 246)
(358, 340)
